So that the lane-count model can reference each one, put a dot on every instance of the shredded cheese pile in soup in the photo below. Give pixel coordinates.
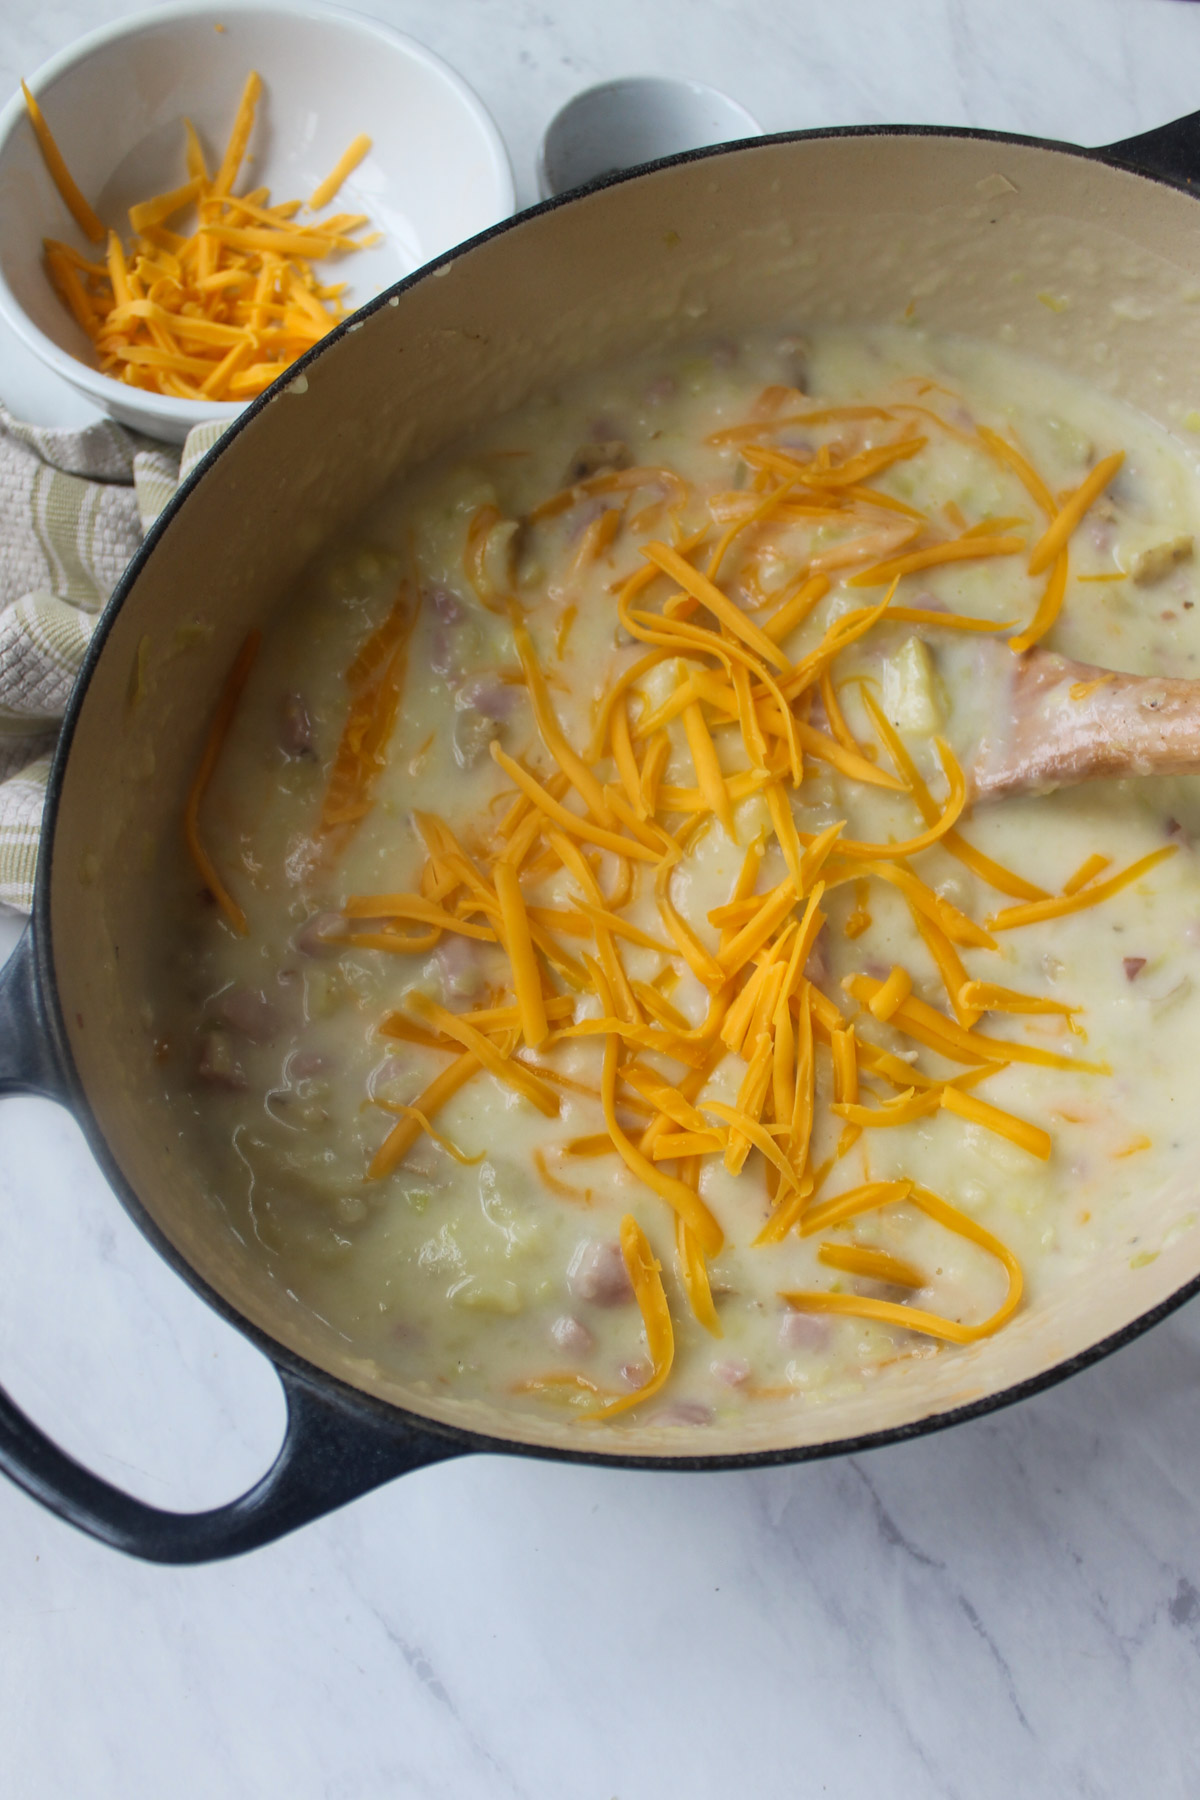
(595, 991)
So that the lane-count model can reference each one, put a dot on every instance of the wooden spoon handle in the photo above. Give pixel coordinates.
(1071, 722)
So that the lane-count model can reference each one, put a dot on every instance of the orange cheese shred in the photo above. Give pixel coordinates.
(905, 1109)
(1087, 871)
(964, 549)
(218, 730)
(681, 1198)
(646, 1278)
(571, 764)
(910, 1317)
(1026, 474)
(1004, 1124)
(927, 1026)
(569, 821)
(1054, 906)
(1004, 880)
(708, 769)
(871, 1265)
(375, 679)
(519, 944)
(513, 1074)
(1049, 607)
(1054, 540)
(345, 166)
(701, 588)
(956, 800)
(693, 1272)
(400, 1140)
(894, 990)
(415, 1113)
(61, 176)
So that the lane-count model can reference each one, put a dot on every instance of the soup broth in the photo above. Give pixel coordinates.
(592, 988)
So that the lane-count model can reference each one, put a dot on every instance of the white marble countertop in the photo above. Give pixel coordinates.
(1009, 1609)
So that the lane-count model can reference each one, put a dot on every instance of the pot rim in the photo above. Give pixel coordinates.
(389, 1416)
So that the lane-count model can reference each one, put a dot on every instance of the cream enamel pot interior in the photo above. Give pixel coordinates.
(963, 229)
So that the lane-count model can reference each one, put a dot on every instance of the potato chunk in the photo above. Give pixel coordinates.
(1152, 565)
(912, 691)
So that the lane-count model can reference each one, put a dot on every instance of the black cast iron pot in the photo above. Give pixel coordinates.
(959, 232)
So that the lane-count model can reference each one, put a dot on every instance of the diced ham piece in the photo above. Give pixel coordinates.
(734, 1372)
(636, 1374)
(385, 1077)
(481, 705)
(684, 1412)
(302, 1065)
(1133, 966)
(447, 605)
(428, 1160)
(597, 458)
(597, 1273)
(571, 1337)
(803, 1331)
(484, 694)
(473, 732)
(792, 352)
(660, 390)
(450, 613)
(816, 969)
(301, 859)
(215, 1064)
(250, 1014)
(314, 936)
(459, 966)
(295, 727)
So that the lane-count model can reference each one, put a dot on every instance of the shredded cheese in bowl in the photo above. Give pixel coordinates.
(220, 312)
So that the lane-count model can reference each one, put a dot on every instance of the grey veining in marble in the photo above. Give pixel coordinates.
(1009, 1611)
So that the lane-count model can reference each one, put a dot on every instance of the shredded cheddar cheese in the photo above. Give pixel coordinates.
(61, 176)
(645, 1275)
(1055, 905)
(222, 719)
(400, 1140)
(910, 1317)
(217, 314)
(346, 164)
(1053, 541)
(872, 1265)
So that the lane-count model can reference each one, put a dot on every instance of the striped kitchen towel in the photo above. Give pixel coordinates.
(73, 508)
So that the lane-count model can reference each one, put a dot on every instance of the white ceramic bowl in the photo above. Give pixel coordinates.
(437, 172)
(637, 119)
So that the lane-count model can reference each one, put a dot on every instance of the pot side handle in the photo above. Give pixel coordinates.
(330, 1454)
(1171, 151)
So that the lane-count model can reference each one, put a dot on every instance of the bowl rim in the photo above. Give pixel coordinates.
(101, 388)
(371, 1411)
(600, 91)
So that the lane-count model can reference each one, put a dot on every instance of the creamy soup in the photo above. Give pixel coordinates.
(592, 988)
